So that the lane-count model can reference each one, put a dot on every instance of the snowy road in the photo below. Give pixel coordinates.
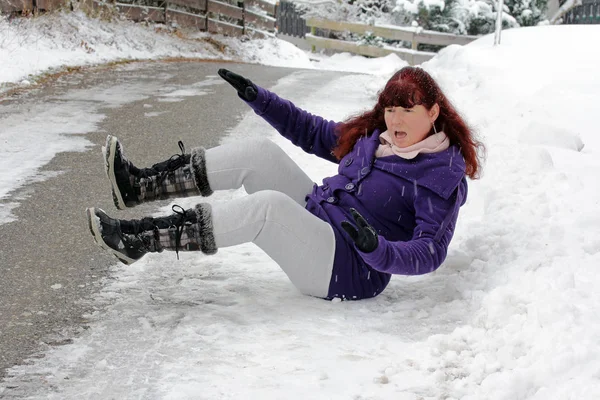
(49, 262)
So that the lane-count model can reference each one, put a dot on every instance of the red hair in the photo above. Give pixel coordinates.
(407, 88)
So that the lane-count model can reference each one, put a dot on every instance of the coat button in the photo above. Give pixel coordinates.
(349, 186)
(348, 161)
(365, 171)
(331, 200)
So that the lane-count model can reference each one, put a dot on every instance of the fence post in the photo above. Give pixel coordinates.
(414, 41)
(313, 31)
(206, 11)
(166, 9)
(243, 6)
(276, 16)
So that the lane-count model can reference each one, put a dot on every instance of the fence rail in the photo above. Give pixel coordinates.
(412, 35)
(189, 20)
(413, 57)
(137, 13)
(194, 4)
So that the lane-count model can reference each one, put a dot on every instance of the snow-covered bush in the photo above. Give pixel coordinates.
(462, 17)
(527, 12)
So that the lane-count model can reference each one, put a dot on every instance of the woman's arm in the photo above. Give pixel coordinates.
(427, 249)
(312, 133)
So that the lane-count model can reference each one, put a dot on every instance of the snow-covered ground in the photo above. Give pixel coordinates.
(512, 314)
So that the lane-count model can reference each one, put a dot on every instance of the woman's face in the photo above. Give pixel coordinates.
(408, 126)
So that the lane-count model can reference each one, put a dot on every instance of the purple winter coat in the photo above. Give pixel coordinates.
(412, 204)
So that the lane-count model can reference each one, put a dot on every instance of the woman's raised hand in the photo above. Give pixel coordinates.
(365, 236)
(246, 89)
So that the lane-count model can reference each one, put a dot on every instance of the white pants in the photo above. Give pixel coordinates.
(272, 215)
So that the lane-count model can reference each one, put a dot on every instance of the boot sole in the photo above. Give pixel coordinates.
(109, 162)
(95, 230)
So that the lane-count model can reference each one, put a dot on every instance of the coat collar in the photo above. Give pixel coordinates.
(439, 172)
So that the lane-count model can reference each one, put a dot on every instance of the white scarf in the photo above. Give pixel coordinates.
(431, 144)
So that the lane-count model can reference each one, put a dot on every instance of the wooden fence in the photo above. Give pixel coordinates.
(208, 15)
(415, 36)
(13, 6)
(258, 16)
(246, 16)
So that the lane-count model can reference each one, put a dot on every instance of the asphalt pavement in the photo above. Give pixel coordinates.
(50, 267)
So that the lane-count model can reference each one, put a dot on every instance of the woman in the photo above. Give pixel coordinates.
(391, 209)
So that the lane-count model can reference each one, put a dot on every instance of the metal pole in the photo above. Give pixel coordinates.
(498, 22)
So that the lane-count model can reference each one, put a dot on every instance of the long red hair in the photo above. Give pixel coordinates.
(407, 88)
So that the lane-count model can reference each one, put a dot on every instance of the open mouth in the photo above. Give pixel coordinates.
(400, 134)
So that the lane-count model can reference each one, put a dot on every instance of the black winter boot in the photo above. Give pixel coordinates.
(129, 241)
(182, 175)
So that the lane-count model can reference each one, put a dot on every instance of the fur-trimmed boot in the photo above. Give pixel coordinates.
(189, 230)
(182, 175)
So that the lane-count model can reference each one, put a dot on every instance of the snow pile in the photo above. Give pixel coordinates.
(525, 255)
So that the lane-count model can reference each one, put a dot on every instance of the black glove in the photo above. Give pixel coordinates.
(365, 236)
(246, 89)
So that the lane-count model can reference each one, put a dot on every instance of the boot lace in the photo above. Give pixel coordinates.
(137, 228)
(176, 161)
(179, 225)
